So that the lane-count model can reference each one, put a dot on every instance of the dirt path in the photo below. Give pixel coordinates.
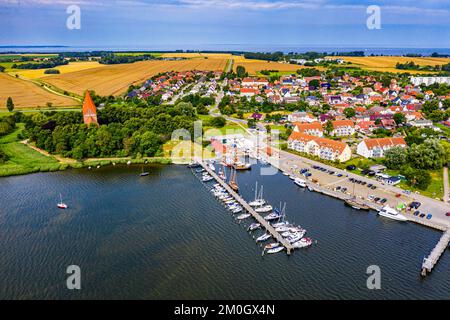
(45, 153)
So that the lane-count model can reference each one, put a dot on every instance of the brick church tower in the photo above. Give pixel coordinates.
(89, 110)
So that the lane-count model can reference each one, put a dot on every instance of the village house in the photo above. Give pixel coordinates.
(375, 148)
(343, 128)
(312, 129)
(323, 148)
(301, 117)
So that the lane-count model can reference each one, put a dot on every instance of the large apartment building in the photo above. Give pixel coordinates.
(375, 148)
(323, 148)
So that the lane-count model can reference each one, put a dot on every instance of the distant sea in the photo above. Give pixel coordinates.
(226, 47)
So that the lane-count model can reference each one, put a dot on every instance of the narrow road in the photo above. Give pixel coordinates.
(446, 187)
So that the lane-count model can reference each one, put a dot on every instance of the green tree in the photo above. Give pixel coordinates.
(349, 112)
(314, 83)
(396, 157)
(329, 127)
(218, 122)
(428, 155)
(399, 118)
(418, 178)
(240, 71)
(10, 104)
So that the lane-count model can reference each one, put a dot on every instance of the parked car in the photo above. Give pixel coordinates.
(383, 200)
(416, 213)
(422, 215)
(398, 195)
(373, 187)
(448, 214)
(351, 167)
(415, 205)
(429, 216)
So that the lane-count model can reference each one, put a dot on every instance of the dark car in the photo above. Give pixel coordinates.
(448, 214)
(371, 173)
(351, 167)
(416, 213)
(344, 189)
(340, 175)
(363, 183)
(383, 200)
(377, 199)
(331, 172)
(422, 215)
(373, 187)
(369, 185)
(308, 174)
(415, 205)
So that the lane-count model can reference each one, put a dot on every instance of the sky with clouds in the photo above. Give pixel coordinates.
(193, 24)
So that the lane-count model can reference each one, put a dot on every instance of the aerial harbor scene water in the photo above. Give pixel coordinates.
(167, 158)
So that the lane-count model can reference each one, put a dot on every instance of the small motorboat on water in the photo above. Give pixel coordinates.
(244, 216)
(310, 188)
(264, 209)
(300, 182)
(271, 246)
(254, 226)
(200, 170)
(272, 216)
(280, 224)
(286, 174)
(237, 210)
(275, 250)
(282, 229)
(263, 238)
(207, 178)
(212, 167)
(193, 164)
(303, 243)
(390, 213)
(292, 177)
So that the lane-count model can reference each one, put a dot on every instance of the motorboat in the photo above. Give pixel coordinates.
(237, 210)
(212, 167)
(300, 182)
(207, 178)
(244, 216)
(263, 238)
(280, 224)
(303, 243)
(271, 246)
(272, 216)
(390, 213)
(286, 174)
(193, 164)
(254, 226)
(275, 250)
(310, 188)
(200, 170)
(282, 229)
(242, 166)
(264, 161)
(294, 238)
(264, 209)
(292, 177)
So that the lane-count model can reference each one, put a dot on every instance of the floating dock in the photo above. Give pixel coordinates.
(264, 223)
(429, 262)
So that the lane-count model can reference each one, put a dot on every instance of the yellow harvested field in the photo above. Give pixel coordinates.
(115, 79)
(254, 66)
(28, 95)
(71, 67)
(387, 64)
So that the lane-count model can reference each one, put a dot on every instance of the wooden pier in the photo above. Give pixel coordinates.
(429, 263)
(264, 223)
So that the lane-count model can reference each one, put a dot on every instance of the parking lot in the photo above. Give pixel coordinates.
(366, 188)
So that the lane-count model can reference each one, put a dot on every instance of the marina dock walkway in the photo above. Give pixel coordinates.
(429, 263)
(264, 223)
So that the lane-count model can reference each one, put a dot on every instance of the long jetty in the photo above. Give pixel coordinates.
(429, 262)
(264, 223)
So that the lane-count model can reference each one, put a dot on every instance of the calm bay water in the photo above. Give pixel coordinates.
(166, 237)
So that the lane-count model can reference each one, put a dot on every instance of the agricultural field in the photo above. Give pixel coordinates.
(387, 63)
(254, 66)
(115, 79)
(26, 94)
(71, 67)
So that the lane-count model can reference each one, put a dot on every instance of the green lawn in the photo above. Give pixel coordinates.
(24, 160)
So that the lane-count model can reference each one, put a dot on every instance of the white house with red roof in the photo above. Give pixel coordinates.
(376, 148)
